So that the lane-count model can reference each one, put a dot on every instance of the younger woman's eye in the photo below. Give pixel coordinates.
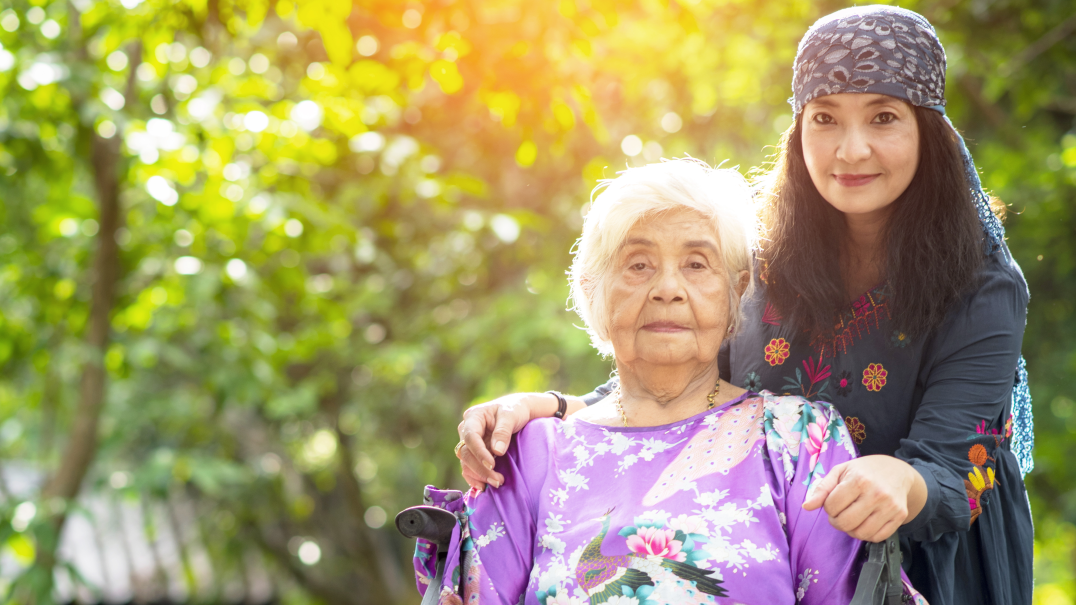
(823, 118)
(885, 117)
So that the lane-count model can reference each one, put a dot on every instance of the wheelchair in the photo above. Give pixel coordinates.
(879, 580)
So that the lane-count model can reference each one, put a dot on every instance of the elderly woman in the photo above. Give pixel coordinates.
(677, 487)
(885, 287)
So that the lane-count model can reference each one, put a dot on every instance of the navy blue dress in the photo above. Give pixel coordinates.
(942, 403)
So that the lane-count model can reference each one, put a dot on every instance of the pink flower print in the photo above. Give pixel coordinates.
(816, 440)
(654, 541)
(783, 425)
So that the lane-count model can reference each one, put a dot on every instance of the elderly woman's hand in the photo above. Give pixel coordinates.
(489, 427)
(869, 498)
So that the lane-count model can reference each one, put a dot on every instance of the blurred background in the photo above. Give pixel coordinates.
(256, 257)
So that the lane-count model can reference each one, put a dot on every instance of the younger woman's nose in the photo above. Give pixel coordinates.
(854, 146)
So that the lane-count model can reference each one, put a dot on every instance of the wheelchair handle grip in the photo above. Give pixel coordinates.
(427, 522)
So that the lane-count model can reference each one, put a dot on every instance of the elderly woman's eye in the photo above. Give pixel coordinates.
(638, 266)
(697, 265)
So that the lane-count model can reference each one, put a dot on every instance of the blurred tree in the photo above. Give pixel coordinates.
(259, 256)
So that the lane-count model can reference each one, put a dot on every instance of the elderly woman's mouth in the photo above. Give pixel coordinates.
(664, 326)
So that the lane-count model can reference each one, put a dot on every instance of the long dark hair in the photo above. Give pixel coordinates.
(933, 239)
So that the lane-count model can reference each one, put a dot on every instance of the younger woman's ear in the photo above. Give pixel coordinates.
(744, 280)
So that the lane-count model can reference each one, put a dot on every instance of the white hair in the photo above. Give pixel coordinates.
(721, 195)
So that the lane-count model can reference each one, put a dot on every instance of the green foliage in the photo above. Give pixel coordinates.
(342, 223)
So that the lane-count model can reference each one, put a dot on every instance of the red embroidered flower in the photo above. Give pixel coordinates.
(777, 351)
(874, 377)
(844, 383)
(856, 429)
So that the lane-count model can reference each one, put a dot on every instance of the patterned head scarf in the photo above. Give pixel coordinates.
(893, 51)
(883, 50)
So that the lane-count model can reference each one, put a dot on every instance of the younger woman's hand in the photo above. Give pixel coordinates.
(869, 498)
(488, 427)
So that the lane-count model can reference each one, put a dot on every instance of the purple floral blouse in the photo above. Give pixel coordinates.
(705, 510)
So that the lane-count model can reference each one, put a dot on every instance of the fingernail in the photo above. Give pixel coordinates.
(495, 483)
(487, 464)
(498, 447)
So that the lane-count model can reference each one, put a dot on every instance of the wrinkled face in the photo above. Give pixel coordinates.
(861, 150)
(668, 296)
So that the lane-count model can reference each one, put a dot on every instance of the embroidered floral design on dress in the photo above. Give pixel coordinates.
(864, 316)
(899, 339)
(815, 385)
(752, 382)
(981, 430)
(844, 383)
(777, 351)
(856, 429)
(771, 316)
(982, 477)
(874, 377)
(979, 482)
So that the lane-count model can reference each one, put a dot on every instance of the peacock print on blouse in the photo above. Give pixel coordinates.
(705, 510)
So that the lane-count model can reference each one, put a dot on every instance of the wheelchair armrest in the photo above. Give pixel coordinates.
(427, 522)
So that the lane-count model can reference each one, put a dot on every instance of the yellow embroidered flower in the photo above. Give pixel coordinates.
(976, 478)
(777, 351)
(874, 377)
(990, 476)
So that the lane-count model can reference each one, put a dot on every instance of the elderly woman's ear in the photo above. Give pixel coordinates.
(743, 282)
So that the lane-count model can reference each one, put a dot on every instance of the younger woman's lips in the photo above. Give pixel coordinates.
(664, 326)
(854, 180)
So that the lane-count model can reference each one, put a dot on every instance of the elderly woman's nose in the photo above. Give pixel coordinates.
(668, 286)
(854, 145)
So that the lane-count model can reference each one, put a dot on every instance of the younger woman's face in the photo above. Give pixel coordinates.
(861, 150)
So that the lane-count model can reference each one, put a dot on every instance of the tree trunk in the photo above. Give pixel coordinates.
(82, 442)
(81, 445)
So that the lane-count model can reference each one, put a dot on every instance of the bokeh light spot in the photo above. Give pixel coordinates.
(672, 122)
(188, 265)
(117, 60)
(309, 553)
(375, 517)
(412, 18)
(367, 45)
